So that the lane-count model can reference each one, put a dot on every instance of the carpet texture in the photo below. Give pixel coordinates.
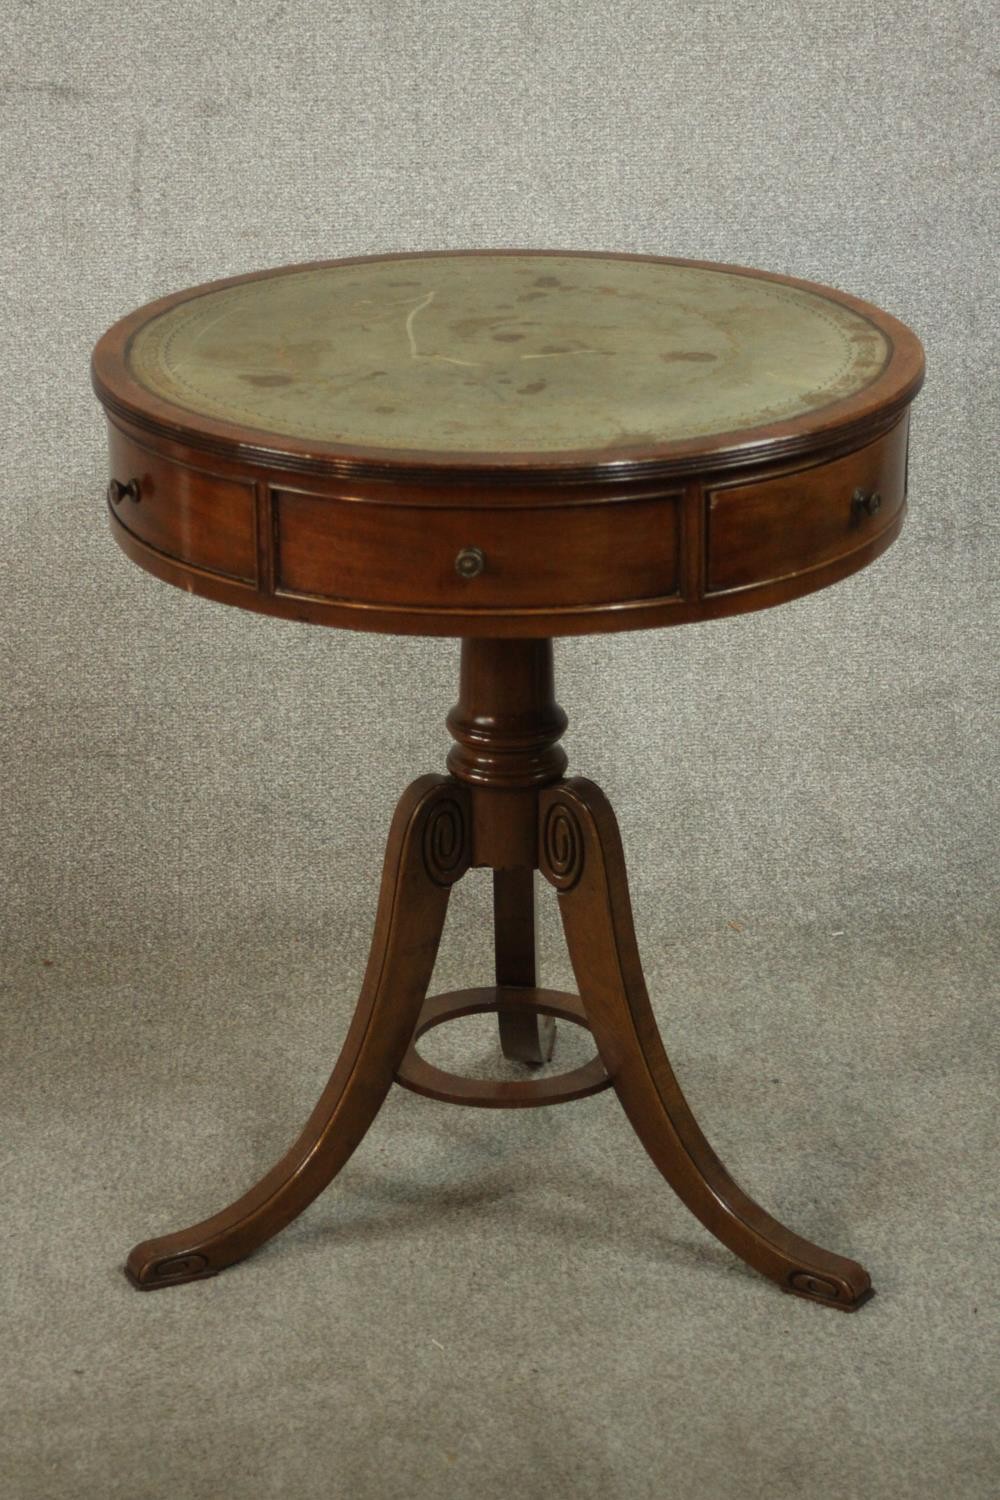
(195, 801)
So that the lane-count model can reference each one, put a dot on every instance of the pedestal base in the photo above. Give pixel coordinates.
(506, 806)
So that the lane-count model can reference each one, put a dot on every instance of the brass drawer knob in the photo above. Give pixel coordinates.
(117, 492)
(868, 501)
(470, 562)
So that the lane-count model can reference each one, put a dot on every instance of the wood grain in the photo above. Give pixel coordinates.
(631, 538)
(790, 524)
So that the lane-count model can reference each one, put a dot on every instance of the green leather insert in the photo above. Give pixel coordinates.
(507, 353)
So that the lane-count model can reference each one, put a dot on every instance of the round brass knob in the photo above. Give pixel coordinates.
(867, 500)
(470, 562)
(117, 492)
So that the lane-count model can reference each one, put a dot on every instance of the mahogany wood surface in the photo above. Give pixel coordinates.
(632, 537)
(507, 550)
(524, 1036)
(416, 1073)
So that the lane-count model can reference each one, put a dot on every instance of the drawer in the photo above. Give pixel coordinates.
(775, 528)
(533, 557)
(197, 517)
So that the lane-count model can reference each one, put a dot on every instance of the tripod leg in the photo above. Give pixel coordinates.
(524, 1037)
(581, 854)
(428, 849)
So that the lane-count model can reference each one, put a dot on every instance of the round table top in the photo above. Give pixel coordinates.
(509, 360)
(507, 443)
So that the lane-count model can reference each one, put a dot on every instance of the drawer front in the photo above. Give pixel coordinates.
(188, 514)
(758, 533)
(538, 557)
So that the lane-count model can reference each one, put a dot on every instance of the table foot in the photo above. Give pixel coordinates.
(428, 850)
(580, 853)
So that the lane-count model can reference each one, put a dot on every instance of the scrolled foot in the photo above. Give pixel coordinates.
(148, 1269)
(839, 1292)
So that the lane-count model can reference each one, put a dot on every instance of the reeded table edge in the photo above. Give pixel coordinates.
(841, 421)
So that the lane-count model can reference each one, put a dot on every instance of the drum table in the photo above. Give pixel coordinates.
(506, 446)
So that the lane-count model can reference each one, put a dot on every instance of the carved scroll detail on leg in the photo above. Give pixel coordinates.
(447, 838)
(562, 851)
(579, 838)
(428, 850)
